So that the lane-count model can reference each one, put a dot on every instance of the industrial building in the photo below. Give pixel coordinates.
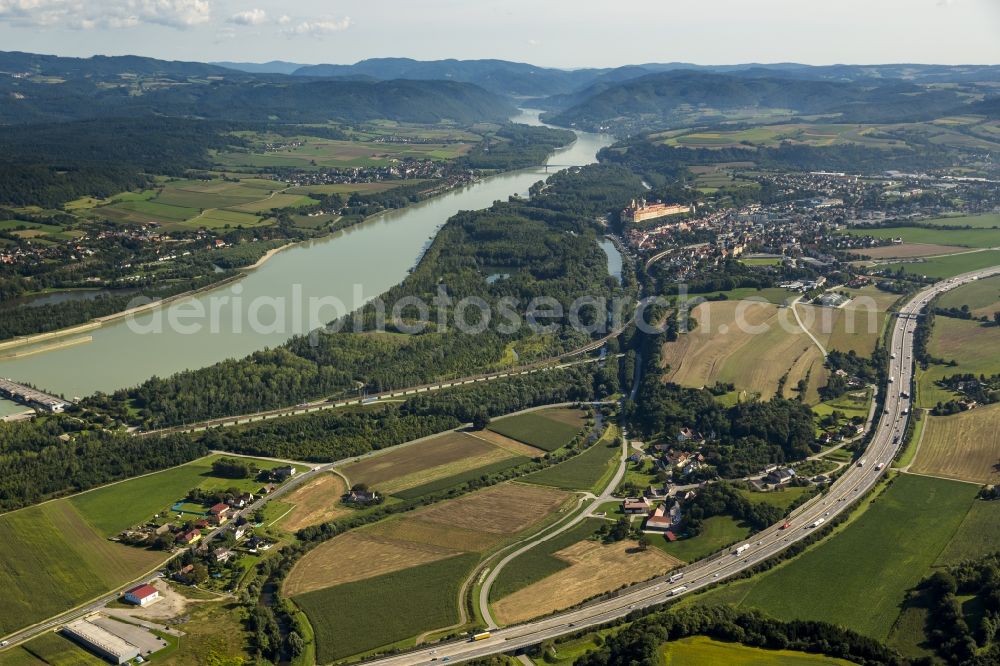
(100, 641)
(32, 397)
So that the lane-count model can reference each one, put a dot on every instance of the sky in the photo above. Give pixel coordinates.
(555, 33)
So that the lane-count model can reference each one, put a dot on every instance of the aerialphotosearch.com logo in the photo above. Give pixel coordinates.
(294, 314)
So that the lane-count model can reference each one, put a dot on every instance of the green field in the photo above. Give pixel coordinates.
(970, 344)
(762, 261)
(987, 221)
(536, 429)
(358, 617)
(782, 499)
(586, 471)
(703, 651)
(539, 562)
(949, 266)
(51, 648)
(978, 535)
(871, 564)
(982, 297)
(51, 559)
(456, 480)
(717, 532)
(113, 508)
(775, 295)
(316, 152)
(973, 238)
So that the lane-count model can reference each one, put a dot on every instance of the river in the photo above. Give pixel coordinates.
(369, 257)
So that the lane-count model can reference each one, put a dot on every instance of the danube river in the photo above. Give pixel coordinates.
(350, 266)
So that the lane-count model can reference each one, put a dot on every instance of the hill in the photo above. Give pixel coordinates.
(271, 67)
(671, 98)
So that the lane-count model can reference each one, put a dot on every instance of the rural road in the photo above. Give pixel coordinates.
(853, 484)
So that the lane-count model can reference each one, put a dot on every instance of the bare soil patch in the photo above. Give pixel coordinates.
(963, 446)
(316, 502)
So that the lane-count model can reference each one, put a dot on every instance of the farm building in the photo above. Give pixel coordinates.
(142, 595)
(101, 642)
(632, 505)
(283, 473)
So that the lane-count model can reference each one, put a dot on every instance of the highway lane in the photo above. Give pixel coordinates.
(854, 483)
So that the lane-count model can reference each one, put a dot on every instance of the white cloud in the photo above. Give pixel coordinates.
(285, 19)
(90, 14)
(318, 27)
(249, 17)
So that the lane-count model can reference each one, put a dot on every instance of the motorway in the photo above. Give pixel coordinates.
(853, 484)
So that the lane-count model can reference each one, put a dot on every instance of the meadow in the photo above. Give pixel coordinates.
(51, 648)
(970, 344)
(987, 221)
(589, 470)
(977, 536)
(701, 650)
(405, 603)
(115, 507)
(949, 266)
(889, 548)
(717, 532)
(795, 133)
(982, 297)
(962, 446)
(547, 430)
(972, 238)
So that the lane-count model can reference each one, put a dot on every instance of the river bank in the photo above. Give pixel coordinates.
(282, 297)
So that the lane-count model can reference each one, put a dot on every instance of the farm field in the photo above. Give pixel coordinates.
(982, 297)
(318, 501)
(891, 547)
(969, 343)
(437, 458)
(908, 250)
(794, 133)
(987, 221)
(447, 538)
(589, 470)
(351, 188)
(949, 266)
(971, 238)
(782, 499)
(51, 559)
(547, 429)
(963, 446)
(775, 295)
(701, 650)
(855, 327)
(316, 153)
(731, 334)
(716, 533)
(540, 561)
(976, 536)
(594, 568)
(456, 480)
(406, 603)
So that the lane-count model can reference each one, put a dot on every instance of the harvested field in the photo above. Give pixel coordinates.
(594, 568)
(440, 457)
(316, 502)
(505, 509)
(963, 446)
(748, 343)
(357, 556)
(907, 250)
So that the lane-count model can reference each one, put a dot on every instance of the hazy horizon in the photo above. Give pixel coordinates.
(555, 34)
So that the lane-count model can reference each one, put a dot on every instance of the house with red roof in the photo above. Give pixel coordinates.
(142, 595)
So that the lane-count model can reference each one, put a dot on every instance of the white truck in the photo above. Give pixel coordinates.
(741, 549)
(817, 522)
(676, 577)
(677, 590)
(861, 463)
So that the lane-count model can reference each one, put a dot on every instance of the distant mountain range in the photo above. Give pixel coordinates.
(45, 88)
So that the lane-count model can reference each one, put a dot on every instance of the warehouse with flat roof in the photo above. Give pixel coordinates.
(100, 641)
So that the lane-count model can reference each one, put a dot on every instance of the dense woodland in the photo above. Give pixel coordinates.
(639, 643)
(517, 146)
(57, 456)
